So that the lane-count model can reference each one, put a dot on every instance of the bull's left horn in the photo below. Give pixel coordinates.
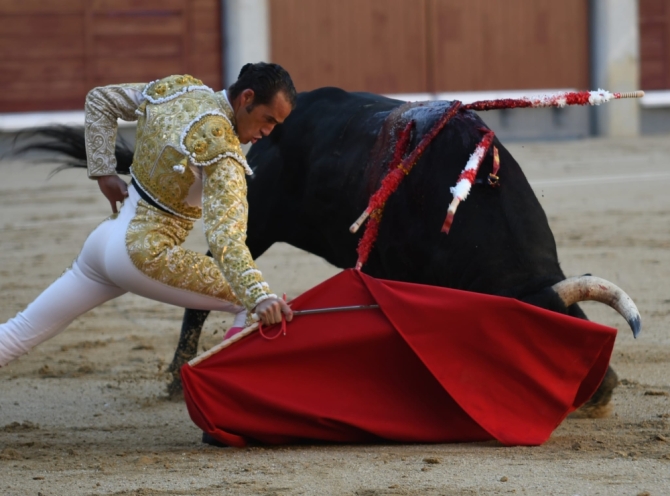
(583, 288)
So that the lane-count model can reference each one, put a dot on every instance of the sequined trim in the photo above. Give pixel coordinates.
(265, 297)
(209, 144)
(260, 285)
(172, 87)
(251, 271)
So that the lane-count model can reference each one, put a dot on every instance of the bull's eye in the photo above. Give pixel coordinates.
(217, 132)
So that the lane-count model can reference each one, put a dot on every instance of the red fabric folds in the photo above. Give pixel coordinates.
(431, 365)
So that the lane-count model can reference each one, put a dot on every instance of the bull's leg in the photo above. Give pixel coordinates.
(187, 347)
(598, 405)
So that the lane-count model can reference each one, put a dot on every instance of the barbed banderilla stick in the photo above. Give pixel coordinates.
(392, 180)
(555, 100)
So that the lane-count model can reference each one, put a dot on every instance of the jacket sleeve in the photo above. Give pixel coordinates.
(225, 217)
(104, 105)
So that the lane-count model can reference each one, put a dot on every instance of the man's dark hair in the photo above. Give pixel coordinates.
(266, 80)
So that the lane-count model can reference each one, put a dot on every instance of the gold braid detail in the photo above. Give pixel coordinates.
(153, 240)
(225, 216)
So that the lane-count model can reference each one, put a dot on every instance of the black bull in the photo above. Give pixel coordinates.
(314, 176)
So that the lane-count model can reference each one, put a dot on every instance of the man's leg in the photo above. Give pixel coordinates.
(71, 295)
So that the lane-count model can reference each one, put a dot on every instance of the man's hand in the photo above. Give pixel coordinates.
(270, 311)
(114, 188)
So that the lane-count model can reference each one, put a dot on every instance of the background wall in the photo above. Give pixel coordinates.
(411, 46)
(52, 52)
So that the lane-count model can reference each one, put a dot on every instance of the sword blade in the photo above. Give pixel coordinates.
(334, 309)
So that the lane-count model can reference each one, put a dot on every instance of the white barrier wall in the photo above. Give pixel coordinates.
(615, 64)
(246, 33)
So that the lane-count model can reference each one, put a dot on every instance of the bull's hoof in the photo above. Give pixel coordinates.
(599, 404)
(175, 390)
(207, 439)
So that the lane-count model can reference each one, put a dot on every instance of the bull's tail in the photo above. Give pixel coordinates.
(69, 145)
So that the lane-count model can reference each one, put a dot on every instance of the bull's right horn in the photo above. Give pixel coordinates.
(584, 288)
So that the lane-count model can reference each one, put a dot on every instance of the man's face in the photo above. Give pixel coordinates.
(254, 123)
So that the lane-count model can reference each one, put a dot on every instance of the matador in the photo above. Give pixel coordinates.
(188, 164)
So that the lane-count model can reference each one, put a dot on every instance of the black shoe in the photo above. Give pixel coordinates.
(207, 439)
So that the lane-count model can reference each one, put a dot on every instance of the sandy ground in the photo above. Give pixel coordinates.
(85, 413)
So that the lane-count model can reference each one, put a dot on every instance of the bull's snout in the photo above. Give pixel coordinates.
(584, 288)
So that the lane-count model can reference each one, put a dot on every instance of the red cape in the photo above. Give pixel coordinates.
(431, 365)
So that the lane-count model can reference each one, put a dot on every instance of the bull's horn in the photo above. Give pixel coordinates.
(583, 288)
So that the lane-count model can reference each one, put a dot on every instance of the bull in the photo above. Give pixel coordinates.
(314, 175)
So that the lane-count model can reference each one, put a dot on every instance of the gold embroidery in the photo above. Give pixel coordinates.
(168, 185)
(225, 217)
(210, 138)
(170, 87)
(153, 242)
(104, 106)
(158, 151)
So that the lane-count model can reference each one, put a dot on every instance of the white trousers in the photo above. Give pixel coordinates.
(102, 271)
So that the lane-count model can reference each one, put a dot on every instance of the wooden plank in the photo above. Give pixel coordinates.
(206, 19)
(34, 105)
(206, 47)
(44, 90)
(89, 47)
(377, 45)
(32, 47)
(43, 25)
(654, 44)
(171, 24)
(9, 7)
(53, 51)
(47, 70)
(488, 45)
(138, 5)
(205, 43)
(122, 70)
(138, 46)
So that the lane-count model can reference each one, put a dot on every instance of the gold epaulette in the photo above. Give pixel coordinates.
(210, 138)
(169, 88)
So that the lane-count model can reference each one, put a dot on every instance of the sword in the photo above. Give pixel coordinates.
(255, 325)
(314, 311)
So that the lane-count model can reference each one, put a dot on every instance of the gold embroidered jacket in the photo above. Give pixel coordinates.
(188, 159)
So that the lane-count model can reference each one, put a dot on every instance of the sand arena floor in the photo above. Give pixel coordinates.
(86, 414)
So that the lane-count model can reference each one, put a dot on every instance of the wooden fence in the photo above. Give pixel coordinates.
(52, 52)
(655, 44)
(402, 46)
